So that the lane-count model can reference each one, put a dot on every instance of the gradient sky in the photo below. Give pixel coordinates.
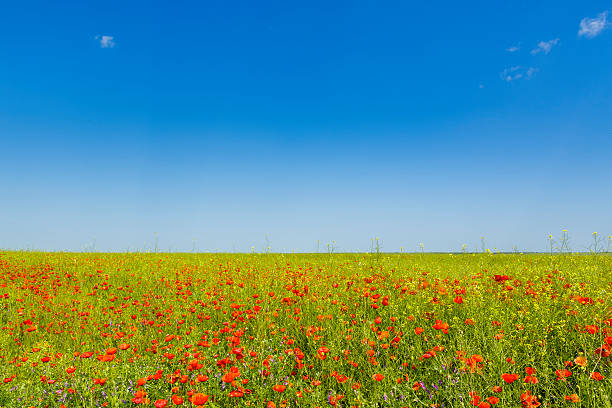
(241, 123)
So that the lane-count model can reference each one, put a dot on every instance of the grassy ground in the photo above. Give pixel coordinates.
(92, 330)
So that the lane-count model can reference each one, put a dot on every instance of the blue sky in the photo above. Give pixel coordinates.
(239, 123)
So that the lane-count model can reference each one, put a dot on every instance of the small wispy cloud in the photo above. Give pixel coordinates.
(514, 48)
(106, 41)
(517, 72)
(512, 73)
(531, 72)
(545, 46)
(592, 27)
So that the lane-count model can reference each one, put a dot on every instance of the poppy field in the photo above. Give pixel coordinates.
(305, 330)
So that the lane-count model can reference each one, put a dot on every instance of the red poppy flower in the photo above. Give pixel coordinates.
(509, 378)
(581, 361)
(439, 325)
(199, 399)
(563, 374)
(572, 398)
(529, 401)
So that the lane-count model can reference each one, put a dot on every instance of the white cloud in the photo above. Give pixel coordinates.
(545, 46)
(512, 73)
(531, 72)
(514, 48)
(517, 72)
(591, 27)
(106, 41)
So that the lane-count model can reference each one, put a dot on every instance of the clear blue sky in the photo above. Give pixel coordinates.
(233, 121)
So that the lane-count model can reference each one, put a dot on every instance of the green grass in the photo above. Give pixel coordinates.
(283, 311)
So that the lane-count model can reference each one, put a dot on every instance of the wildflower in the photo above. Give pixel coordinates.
(439, 325)
(581, 361)
(603, 351)
(509, 378)
(563, 374)
(199, 399)
(529, 401)
(572, 398)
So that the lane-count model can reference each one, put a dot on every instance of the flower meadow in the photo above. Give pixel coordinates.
(305, 330)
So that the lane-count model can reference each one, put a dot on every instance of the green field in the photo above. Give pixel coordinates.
(305, 330)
